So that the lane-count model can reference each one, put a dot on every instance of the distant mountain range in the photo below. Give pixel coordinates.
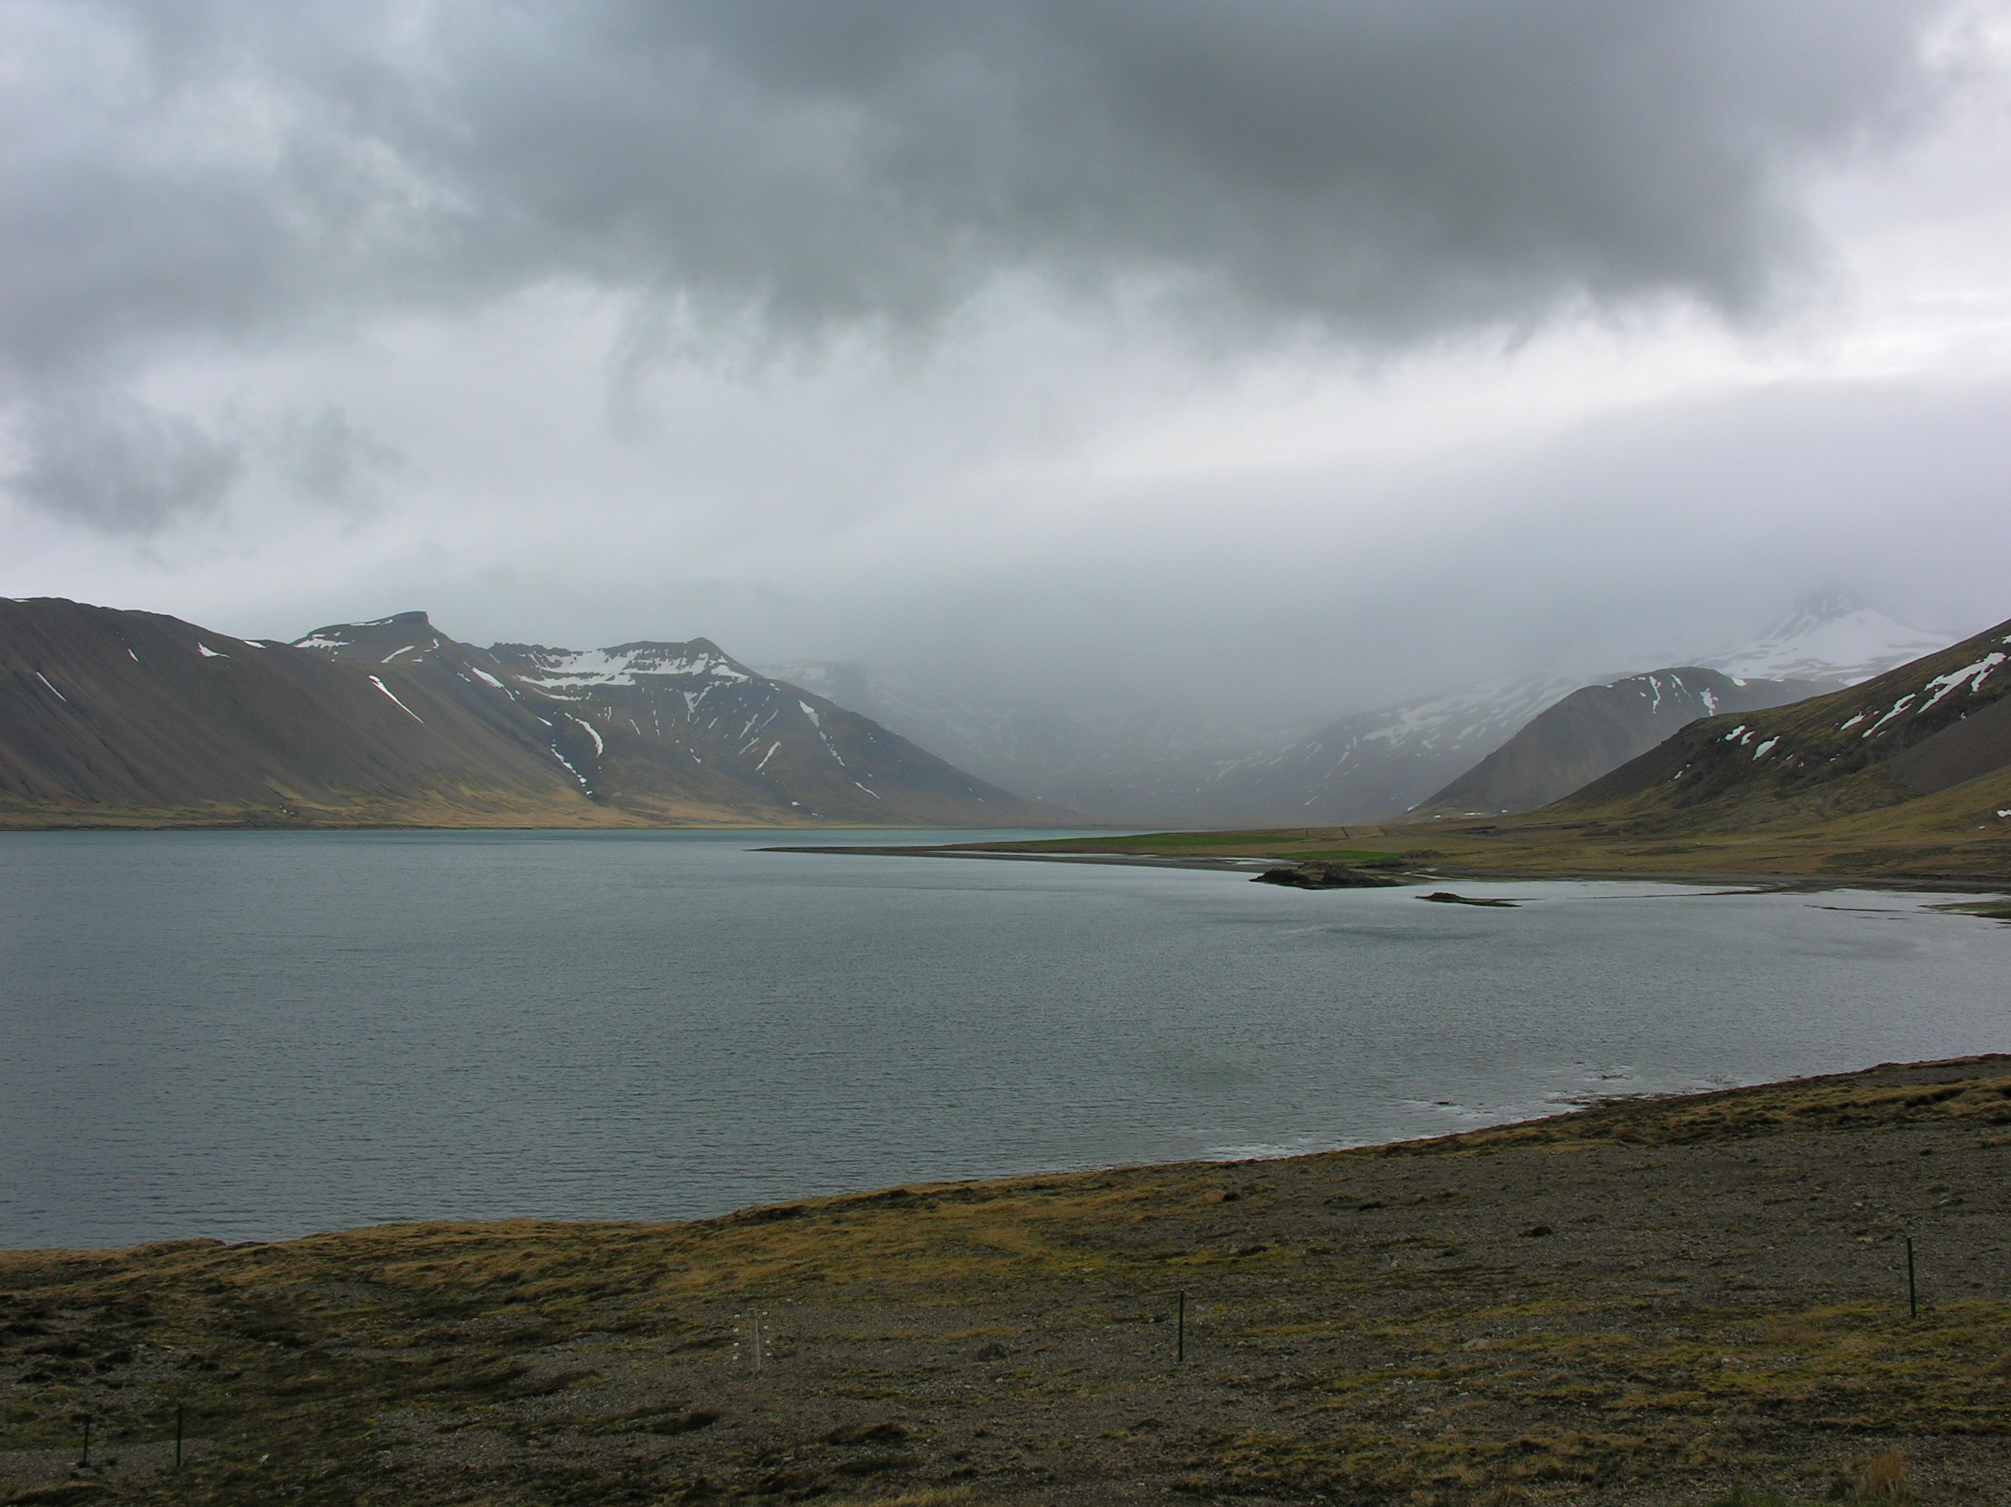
(108, 715)
(136, 717)
(1190, 767)
(1371, 765)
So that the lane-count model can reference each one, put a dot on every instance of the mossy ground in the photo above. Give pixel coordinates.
(1670, 1301)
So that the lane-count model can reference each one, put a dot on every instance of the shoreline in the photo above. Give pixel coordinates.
(1568, 1113)
(1646, 1302)
(1756, 883)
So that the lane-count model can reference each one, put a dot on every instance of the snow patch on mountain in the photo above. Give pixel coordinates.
(574, 672)
(396, 702)
(1829, 636)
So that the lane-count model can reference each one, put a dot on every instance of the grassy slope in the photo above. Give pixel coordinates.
(1654, 1302)
(1877, 847)
(1953, 836)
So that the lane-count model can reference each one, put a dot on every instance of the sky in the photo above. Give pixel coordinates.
(1266, 354)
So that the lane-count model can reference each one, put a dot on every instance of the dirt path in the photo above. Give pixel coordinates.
(1647, 1303)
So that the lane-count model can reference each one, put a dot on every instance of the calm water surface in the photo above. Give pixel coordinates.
(258, 1035)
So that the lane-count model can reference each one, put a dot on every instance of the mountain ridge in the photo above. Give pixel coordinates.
(1936, 725)
(392, 722)
(1598, 728)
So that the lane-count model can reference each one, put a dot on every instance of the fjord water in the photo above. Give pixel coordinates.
(258, 1035)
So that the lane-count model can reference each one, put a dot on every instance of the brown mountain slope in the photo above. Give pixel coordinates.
(1598, 728)
(661, 716)
(1907, 775)
(119, 714)
(676, 733)
(123, 717)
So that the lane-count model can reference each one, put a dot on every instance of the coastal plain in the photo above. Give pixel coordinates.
(1652, 1301)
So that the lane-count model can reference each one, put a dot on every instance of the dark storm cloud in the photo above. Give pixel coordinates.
(329, 459)
(1387, 169)
(120, 466)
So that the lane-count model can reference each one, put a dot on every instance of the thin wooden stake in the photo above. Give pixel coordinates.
(1912, 1291)
(178, 1436)
(1181, 1352)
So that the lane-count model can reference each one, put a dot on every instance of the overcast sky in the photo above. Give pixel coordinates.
(1295, 352)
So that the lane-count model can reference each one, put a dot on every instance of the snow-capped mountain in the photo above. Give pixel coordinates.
(1829, 636)
(1380, 764)
(682, 732)
(1370, 765)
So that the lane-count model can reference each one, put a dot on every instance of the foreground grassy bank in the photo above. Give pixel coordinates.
(1663, 1301)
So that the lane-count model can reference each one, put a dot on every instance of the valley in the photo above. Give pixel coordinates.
(1187, 763)
(1906, 777)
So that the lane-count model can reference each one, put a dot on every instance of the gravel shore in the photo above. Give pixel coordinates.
(1659, 1301)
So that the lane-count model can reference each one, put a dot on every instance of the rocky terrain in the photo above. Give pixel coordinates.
(1655, 1303)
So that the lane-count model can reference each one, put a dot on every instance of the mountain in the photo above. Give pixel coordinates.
(1932, 738)
(1829, 635)
(681, 733)
(125, 716)
(1597, 729)
(113, 713)
(1515, 745)
(1187, 765)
